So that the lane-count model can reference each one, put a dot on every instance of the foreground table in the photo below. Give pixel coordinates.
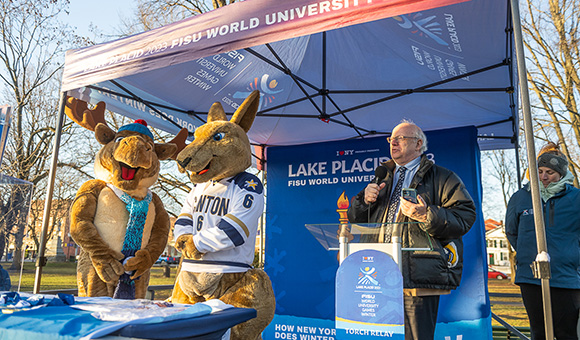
(68, 323)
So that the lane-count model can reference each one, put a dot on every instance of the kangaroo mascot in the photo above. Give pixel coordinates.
(120, 225)
(216, 230)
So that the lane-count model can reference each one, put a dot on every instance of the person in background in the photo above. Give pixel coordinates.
(5, 283)
(444, 207)
(560, 202)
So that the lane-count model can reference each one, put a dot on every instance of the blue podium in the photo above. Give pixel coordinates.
(369, 284)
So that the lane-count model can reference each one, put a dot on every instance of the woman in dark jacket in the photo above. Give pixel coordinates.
(561, 204)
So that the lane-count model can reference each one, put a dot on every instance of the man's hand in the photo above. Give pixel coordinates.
(417, 212)
(372, 192)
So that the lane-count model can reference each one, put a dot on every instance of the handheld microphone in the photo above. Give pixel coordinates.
(380, 174)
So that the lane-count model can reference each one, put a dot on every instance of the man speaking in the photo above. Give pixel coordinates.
(446, 211)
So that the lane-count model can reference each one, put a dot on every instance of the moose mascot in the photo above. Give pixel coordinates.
(120, 225)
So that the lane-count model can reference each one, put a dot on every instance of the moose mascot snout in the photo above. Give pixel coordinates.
(216, 230)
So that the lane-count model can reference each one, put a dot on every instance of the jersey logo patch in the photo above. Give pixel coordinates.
(251, 184)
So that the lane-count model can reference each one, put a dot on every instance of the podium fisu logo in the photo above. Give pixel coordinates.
(367, 276)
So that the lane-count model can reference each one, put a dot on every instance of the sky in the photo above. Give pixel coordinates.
(105, 14)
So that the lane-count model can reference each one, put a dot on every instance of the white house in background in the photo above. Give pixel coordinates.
(497, 244)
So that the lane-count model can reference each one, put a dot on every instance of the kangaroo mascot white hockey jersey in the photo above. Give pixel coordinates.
(223, 218)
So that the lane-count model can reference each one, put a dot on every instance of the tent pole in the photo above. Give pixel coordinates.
(518, 170)
(542, 266)
(261, 258)
(41, 260)
(263, 219)
(325, 93)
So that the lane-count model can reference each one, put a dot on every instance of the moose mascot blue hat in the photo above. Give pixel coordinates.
(138, 126)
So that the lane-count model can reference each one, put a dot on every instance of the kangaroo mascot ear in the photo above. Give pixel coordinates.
(245, 114)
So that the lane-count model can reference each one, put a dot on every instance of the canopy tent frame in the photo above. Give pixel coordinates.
(325, 93)
(326, 98)
(41, 259)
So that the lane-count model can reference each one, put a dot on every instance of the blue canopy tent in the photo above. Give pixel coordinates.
(327, 70)
(330, 70)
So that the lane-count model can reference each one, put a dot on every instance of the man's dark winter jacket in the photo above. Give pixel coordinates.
(450, 214)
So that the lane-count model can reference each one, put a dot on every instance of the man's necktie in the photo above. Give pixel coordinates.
(394, 203)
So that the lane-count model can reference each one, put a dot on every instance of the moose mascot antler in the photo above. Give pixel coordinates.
(120, 225)
(216, 230)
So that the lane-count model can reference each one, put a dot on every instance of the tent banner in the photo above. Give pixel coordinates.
(313, 184)
(232, 27)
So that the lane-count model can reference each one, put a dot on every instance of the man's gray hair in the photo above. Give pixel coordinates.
(418, 133)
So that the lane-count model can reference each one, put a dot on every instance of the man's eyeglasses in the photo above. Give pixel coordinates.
(399, 139)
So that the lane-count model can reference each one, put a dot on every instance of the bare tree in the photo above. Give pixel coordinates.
(31, 59)
(15, 197)
(503, 171)
(551, 39)
(156, 13)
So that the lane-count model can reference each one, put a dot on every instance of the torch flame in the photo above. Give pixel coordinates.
(342, 202)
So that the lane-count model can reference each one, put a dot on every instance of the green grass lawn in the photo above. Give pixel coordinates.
(511, 310)
(62, 275)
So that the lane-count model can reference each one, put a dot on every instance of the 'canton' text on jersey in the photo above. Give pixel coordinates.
(223, 219)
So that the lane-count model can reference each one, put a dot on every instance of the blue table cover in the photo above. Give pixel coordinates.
(66, 323)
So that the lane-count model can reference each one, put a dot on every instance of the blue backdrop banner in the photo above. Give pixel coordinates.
(313, 184)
